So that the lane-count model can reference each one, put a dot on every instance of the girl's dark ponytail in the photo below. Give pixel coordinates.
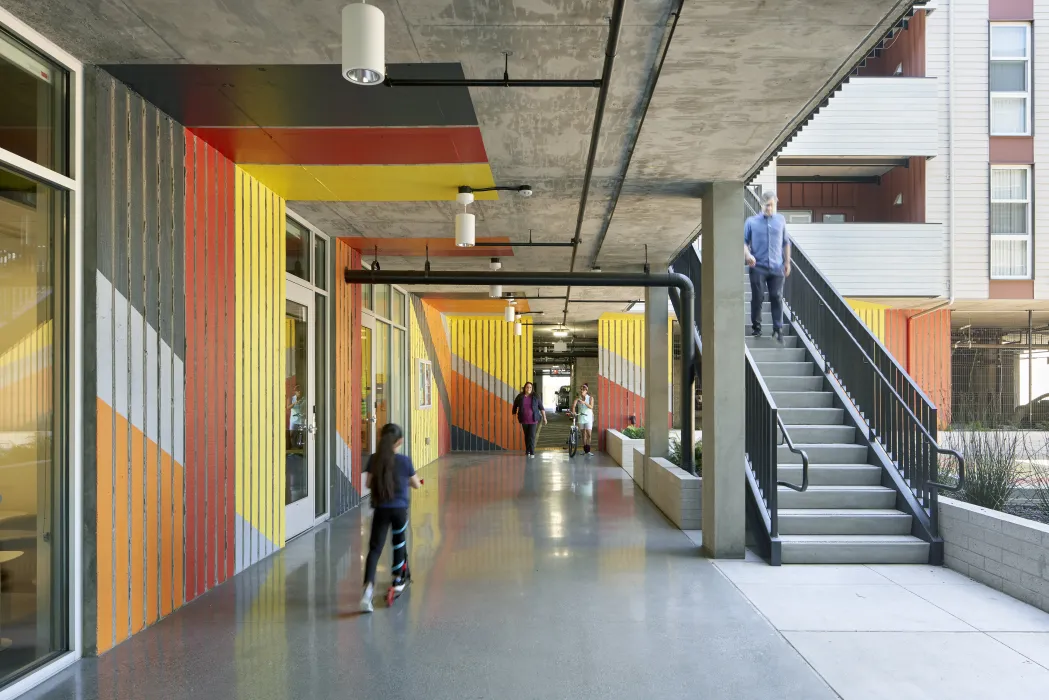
(382, 466)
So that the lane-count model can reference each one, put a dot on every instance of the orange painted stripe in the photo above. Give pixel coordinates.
(178, 539)
(166, 526)
(104, 547)
(138, 450)
(152, 536)
(120, 530)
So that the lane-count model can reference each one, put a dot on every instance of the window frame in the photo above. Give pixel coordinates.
(1029, 237)
(425, 374)
(1026, 95)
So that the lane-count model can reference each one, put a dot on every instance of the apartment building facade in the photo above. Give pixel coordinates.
(922, 191)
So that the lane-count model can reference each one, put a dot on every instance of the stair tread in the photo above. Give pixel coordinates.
(828, 488)
(854, 539)
(843, 512)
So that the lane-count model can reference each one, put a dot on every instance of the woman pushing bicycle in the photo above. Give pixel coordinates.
(583, 407)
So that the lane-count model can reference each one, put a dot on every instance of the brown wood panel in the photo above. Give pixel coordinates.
(1012, 150)
(1011, 10)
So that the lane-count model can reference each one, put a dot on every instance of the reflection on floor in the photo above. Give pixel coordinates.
(545, 578)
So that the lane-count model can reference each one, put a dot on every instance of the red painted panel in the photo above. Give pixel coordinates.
(192, 401)
(211, 417)
(199, 375)
(349, 146)
(231, 359)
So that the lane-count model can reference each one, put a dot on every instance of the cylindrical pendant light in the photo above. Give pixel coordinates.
(464, 230)
(518, 329)
(495, 291)
(363, 44)
(508, 314)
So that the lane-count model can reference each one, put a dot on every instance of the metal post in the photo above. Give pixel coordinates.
(1030, 366)
(688, 381)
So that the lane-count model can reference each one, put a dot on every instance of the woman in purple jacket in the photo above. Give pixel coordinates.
(528, 408)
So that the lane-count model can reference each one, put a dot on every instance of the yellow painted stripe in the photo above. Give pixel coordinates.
(373, 183)
(873, 315)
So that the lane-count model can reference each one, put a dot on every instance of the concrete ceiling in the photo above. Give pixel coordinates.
(739, 76)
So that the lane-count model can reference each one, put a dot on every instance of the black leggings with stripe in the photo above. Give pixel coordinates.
(383, 520)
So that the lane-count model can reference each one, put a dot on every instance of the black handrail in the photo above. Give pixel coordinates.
(898, 413)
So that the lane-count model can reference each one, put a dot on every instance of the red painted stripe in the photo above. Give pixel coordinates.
(199, 373)
(367, 146)
(214, 375)
(230, 339)
(191, 358)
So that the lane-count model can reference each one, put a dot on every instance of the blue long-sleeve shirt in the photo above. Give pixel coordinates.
(768, 240)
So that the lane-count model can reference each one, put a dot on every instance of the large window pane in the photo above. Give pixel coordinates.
(296, 401)
(1009, 258)
(382, 300)
(1009, 184)
(1008, 41)
(1008, 76)
(33, 501)
(398, 308)
(34, 102)
(1008, 115)
(320, 262)
(398, 370)
(1008, 218)
(297, 249)
(382, 374)
(321, 405)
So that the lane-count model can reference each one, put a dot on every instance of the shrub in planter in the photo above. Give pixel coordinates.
(675, 455)
(634, 432)
(991, 466)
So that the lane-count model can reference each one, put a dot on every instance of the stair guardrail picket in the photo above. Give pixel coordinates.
(900, 416)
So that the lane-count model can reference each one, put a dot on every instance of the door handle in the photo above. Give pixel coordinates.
(312, 428)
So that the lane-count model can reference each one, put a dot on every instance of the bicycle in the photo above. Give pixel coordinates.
(573, 437)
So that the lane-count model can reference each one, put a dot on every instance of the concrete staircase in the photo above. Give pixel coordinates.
(845, 516)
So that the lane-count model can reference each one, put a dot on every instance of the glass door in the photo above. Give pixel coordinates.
(368, 418)
(300, 392)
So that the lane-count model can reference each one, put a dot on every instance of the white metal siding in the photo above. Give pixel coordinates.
(880, 260)
(874, 117)
(971, 154)
(1041, 150)
(766, 179)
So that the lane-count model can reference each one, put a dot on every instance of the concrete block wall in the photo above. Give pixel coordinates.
(1005, 552)
(675, 492)
(638, 460)
(621, 448)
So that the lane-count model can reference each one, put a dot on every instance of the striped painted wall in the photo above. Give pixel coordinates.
(489, 366)
(188, 478)
(140, 325)
(346, 477)
(430, 428)
(923, 347)
(259, 372)
(621, 372)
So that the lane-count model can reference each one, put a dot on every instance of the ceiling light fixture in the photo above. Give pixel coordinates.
(363, 44)
(518, 328)
(509, 313)
(465, 223)
(495, 291)
(560, 332)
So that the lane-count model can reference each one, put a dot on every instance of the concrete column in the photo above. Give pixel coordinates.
(724, 478)
(657, 389)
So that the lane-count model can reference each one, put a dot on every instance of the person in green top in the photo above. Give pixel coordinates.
(583, 408)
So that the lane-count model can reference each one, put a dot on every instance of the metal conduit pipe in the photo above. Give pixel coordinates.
(670, 280)
(493, 82)
(611, 49)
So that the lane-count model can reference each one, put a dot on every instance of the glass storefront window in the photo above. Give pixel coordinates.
(397, 407)
(320, 263)
(398, 308)
(321, 368)
(297, 249)
(367, 296)
(382, 375)
(34, 106)
(382, 300)
(34, 576)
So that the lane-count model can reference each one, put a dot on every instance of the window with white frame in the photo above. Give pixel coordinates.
(1010, 79)
(425, 377)
(1011, 222)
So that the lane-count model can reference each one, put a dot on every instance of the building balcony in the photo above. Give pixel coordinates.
(878, 259)
(873, 117)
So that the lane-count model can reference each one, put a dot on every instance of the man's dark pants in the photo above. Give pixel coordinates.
(760, 278)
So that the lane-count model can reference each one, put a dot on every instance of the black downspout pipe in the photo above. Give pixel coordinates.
(493, 82)
(612, 48)
(582, 279)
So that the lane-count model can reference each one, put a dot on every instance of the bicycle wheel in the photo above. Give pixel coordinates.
(573, 444)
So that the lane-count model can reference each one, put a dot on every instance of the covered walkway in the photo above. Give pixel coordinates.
(555, 578)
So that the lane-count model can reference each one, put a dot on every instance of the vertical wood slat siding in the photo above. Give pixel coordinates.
(490, 364)
(211, 419)
(621, 368)
(346, 470)
(259, 371)
(139, 362)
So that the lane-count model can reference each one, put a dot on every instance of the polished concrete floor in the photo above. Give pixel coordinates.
(544, 578)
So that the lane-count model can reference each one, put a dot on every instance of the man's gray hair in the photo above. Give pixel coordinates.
(769, 196)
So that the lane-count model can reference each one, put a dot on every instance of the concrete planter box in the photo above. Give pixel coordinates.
(621, 448)
(675, 492)
(638, 458)
(1003, 551)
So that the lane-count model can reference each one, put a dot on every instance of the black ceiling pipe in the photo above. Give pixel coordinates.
(493, 82)
(614, 28)
(649, 92)
(671, 280)
(527, 244)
